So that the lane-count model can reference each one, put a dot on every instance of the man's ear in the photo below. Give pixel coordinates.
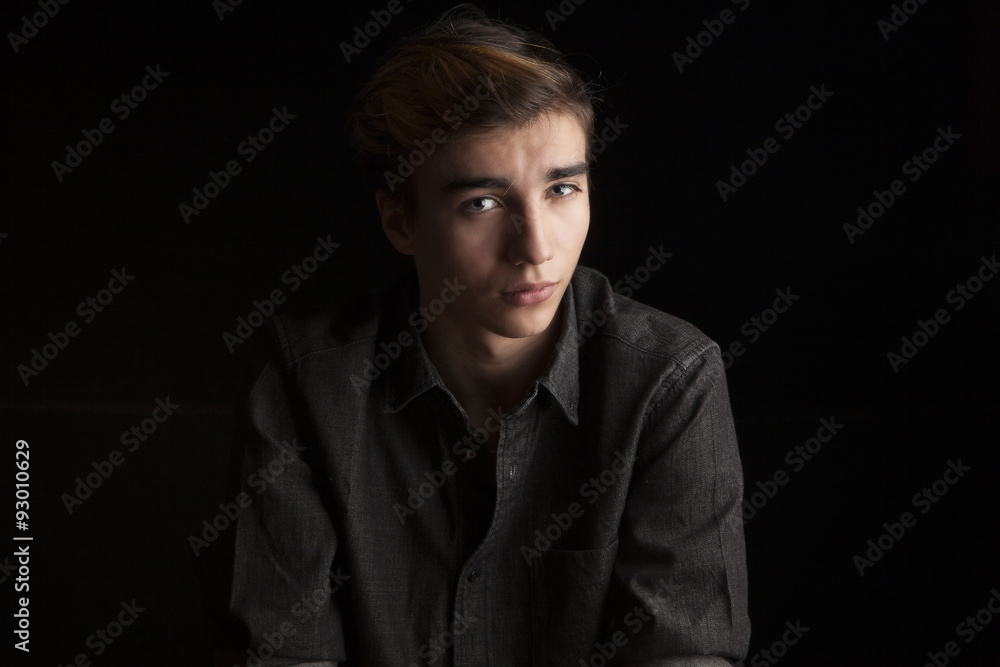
(397, 226)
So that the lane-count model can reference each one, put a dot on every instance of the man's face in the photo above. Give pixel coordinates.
(506, 213)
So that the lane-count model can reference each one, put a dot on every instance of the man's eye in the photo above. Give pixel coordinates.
(481, 204)
(563, 189)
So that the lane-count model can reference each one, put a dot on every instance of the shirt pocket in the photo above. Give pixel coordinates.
(568, 590)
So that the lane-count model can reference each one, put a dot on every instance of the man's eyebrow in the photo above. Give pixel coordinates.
(478, 183)
(558, 173)
(497, 182)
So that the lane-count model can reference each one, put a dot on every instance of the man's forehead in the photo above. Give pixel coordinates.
(549, 149)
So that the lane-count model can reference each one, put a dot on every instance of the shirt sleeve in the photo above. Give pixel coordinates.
(283, 584)
(679, 593)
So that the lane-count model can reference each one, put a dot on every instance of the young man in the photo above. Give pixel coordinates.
(500, 461)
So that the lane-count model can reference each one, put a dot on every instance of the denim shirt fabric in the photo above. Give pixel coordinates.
(616, 534)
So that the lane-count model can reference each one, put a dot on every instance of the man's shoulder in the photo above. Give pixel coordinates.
(341, 327)
(631, 327)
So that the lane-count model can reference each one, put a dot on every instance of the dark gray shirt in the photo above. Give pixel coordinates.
(381, 531)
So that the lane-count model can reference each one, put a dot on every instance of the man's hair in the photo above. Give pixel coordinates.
(465, 73)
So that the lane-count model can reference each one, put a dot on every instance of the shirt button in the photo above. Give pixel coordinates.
(473, 576)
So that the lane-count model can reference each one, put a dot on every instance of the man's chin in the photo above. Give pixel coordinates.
(525, 324)
(518, 332)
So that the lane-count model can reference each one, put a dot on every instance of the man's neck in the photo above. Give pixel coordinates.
(489, 371)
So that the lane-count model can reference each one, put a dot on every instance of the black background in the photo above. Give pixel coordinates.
(655, 184)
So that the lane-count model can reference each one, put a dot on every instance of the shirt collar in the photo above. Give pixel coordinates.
(412, 372)
(562, 377)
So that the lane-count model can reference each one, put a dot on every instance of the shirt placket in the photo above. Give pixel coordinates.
(478, 581)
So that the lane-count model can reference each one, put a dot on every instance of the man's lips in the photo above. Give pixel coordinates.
(527, 294)
(528, 287)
